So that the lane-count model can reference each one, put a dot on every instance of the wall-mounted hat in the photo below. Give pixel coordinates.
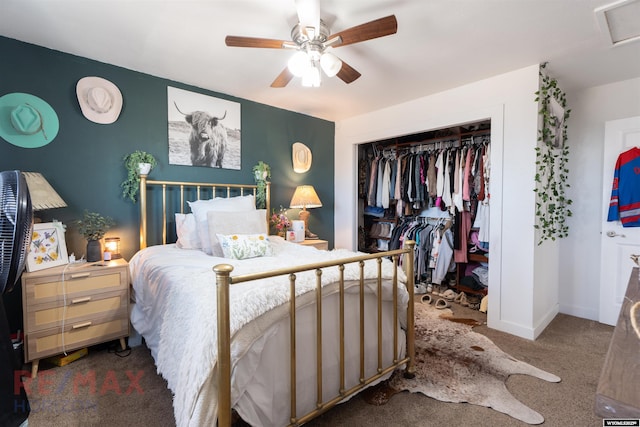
(99, 99)
(27, 121)
(301, 157)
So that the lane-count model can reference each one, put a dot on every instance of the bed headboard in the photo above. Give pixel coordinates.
(161, 200)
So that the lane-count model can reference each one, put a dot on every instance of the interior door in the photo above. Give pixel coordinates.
(617, 243)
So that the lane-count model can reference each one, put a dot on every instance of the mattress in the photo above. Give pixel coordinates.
(175, 312)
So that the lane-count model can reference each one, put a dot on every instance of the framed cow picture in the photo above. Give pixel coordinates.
(203, 130)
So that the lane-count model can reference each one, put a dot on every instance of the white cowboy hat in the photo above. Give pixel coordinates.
(301, 157)
(27, 121)
(100, 100)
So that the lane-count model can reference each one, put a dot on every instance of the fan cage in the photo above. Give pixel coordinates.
(16, 221)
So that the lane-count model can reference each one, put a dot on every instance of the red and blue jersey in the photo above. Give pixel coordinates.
(625, 194)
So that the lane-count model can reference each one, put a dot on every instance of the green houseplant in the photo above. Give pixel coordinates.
(93, 227)
(136, 163)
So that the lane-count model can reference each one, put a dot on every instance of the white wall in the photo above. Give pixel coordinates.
(580, 252)
(508, 100)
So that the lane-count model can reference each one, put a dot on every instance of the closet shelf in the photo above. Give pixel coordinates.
(476, 257)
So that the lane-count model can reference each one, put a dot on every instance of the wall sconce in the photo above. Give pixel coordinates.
(112, 247)
(305, 197)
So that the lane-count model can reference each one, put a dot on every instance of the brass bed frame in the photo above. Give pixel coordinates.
(224, 279)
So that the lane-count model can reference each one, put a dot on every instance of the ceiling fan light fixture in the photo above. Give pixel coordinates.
(311, 77)
(330, 64)
(299, 64)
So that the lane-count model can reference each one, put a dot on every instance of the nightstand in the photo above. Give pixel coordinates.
(73, 306)
(316, 243)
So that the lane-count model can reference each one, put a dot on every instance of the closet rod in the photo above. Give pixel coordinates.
(450, 138)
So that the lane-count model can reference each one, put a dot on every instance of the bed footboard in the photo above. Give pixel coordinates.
(224, 279)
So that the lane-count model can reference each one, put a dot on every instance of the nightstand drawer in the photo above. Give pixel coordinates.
(77, 334)
(78, 309)
(75, 283)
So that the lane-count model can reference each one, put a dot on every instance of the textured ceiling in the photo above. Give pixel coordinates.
(440, 44)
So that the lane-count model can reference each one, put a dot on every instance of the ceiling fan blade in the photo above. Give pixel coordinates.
(308, 13)
(347, 73)
(370, 30)
(239, 41)
(283, 78)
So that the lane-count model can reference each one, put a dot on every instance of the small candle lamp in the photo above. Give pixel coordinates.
(112, 246)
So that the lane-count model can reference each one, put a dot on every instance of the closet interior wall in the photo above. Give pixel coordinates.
(432, 187)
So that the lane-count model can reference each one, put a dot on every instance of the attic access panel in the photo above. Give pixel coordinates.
(620, 20)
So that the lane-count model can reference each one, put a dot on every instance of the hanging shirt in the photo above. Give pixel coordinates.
(373, 181)
(446, 191)
(386, 182)
(457, 183)
(625, 194)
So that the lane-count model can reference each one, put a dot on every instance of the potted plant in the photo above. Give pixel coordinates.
(93, 227)
(137, 163)
(261, 173)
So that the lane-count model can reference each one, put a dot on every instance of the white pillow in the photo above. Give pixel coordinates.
(231, 204)
(186, 232)
(243, 246)
(243, 222)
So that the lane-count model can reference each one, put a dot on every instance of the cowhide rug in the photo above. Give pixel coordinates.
(455, 364)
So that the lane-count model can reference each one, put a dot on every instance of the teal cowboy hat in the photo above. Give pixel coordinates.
(27, 121)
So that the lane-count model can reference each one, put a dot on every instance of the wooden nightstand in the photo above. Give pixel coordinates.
(69, 307)
(316, 243)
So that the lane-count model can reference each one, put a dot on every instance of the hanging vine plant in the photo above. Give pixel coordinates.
(261, 174)
(552, 155)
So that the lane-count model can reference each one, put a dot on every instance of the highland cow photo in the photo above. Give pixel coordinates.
(203, 130)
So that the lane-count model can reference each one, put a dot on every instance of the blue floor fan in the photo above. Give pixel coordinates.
(16, 221)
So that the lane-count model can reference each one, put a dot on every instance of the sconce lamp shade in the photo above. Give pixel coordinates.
(304, 197)
(43, 196)
(112, 245)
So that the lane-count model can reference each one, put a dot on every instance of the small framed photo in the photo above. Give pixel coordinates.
(48, 247)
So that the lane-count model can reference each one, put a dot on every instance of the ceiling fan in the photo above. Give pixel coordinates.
(313, 44)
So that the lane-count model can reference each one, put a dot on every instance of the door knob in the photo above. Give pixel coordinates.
(612, 233)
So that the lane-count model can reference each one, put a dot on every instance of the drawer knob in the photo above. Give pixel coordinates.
(79, 300)
(81, 325)
(80, 275)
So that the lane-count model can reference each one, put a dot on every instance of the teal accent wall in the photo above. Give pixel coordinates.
(84, 162)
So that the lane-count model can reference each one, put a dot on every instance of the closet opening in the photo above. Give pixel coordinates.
(431, 187)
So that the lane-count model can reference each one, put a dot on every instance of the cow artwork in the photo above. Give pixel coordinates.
(203, 131)
(208, 138)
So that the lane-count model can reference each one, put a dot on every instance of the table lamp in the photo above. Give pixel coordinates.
(305, 197)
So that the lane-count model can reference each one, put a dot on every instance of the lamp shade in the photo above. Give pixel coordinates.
(43, 196)
(311, 77)
(304, 197)
(330, 64)
(299, 63)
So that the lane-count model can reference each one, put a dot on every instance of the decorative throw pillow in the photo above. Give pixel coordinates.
(243, 222)
(231, 204)
(187, 232)
(244, 246)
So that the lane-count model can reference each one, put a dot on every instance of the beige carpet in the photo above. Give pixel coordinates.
(571, 348)
(455, 364)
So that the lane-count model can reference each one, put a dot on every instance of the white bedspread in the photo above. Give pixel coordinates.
(176, 287)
